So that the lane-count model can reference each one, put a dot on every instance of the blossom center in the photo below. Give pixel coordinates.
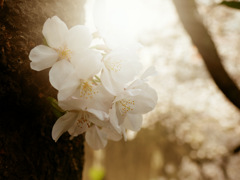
(86, 89)
(126, 105)
(64, 53)
(83, 120)
(113, 66)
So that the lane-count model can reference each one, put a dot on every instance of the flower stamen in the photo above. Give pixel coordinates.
(126, 105)
(64, 53)
(114, 66)
(83, 120)
(86, 89)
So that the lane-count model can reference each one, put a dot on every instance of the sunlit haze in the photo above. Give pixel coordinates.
(133, 17)
(192, 115)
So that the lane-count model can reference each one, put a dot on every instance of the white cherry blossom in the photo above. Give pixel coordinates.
(128, 107)
(67, 78)
(120, 67)
(91, 120)
(79, 122)
(69, 55)
(62, 43)
(96, 88)
(88, 115)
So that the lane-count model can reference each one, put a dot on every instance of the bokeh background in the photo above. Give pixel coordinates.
(194, 129)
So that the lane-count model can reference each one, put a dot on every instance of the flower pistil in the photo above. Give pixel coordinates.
(64, 53)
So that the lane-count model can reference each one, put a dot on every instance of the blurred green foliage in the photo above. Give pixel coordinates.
(96, 173)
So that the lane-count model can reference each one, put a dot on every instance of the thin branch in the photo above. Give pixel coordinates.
(191, 21)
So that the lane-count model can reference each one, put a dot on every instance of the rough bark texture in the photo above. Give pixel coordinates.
(27, 150)
(191, 21)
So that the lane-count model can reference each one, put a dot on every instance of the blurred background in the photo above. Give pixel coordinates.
(194, 131)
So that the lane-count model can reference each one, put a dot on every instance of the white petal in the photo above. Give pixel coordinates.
(151, 71)
(96, 138)
(104, 99)
(78, 128)
(145, 101)
(63, 124)
(95, 120)
(88, 63)
(70, 104)
(99, 114)
(101, 99)
(68, 90)
(133, 122)
(110, 85)
(78, 37)
(73, 103)
(59, 72)
(62, 77)
(112, 134)
(127, 73)
(121, 116)
(42, 57)
(120, 68)
(132, 92)
(54, 30)
(124, 65)
(114, 119)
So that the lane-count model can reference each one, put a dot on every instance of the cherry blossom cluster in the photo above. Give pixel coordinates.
(99, 86)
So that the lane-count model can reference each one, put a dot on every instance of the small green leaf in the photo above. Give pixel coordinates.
(232, 4)
(97, 78)
(57, 111)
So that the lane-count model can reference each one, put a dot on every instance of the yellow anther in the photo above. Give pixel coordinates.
(126, 105)
(86, 89)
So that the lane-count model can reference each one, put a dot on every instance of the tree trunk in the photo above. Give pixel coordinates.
(27, 150)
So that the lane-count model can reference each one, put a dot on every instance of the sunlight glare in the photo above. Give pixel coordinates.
(129, 17)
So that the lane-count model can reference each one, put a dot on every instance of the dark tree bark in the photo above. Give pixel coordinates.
(27, 150)
(191, 21)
